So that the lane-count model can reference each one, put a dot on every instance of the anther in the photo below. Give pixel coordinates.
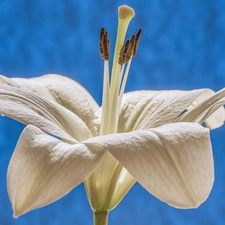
(104, 44)
(128, 49)
(137, 39)
(123, 53)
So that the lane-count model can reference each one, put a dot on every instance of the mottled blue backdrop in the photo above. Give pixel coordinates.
(182, 47)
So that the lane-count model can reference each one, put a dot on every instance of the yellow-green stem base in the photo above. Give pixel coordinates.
(101, 218)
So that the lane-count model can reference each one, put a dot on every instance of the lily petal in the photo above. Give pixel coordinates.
(44, 169)
(173, 162)
(29, 108)
(214, 116)
(62, 90)
(146, 109)
(27, 83)
(208, 111)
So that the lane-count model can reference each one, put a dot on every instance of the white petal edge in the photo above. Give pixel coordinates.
(147, 109)
(44, 169)
(27, 83)
(29, 108)
(215, 118)
(173, 162)
(62, 90)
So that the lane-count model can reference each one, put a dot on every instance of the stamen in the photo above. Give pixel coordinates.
(137, 39)
(104, 44)
(105, 53)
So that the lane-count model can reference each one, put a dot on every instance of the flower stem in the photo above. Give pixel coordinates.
(101, 218)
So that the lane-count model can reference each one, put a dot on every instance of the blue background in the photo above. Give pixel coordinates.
(182, 47)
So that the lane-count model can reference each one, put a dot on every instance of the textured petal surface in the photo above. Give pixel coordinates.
(43, 169)
(146, 109)
(27, 83)
(173, 162)
(62, 90)
(30, 108)
(208, 110)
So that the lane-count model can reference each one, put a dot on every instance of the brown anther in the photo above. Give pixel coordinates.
(137, 39)
(123, 52)
(130, 48)
(104, 44)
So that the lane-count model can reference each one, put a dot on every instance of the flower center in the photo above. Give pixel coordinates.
(114, 86)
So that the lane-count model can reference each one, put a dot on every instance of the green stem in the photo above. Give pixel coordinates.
(101, 218)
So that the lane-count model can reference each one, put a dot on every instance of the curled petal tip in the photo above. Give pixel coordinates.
(17, 213)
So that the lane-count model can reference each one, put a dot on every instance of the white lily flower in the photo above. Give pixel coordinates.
(153, 137)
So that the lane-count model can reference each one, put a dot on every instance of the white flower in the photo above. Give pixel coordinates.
(152, 137)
